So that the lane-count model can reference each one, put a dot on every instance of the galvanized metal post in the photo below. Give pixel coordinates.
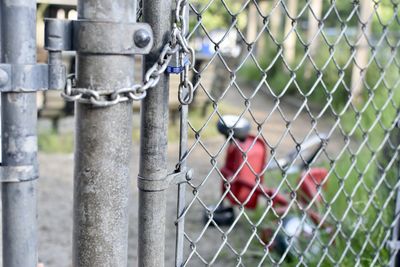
(1, 60)
(180, 225)
(1, 36)
(153, 145)
(395, 242)
(103, 145)
(19, 140)
(1, 223)
(395, 255)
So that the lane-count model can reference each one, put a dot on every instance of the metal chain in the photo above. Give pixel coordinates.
(185, 93)
(176, 44)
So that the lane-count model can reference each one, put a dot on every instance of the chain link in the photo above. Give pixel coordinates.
(176, 44)
(292, 72)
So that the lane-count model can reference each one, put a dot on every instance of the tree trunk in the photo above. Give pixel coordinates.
(275, 20)
(251, 31)
(289, 45)
(314, 17)
(261, 43)
(362, 51)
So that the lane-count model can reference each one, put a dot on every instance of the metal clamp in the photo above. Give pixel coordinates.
(148, 184)
(100, 37)
(16, 174)
(395, 245)
(23, 78)
(115, 38)
(112, 38)
(40, 77)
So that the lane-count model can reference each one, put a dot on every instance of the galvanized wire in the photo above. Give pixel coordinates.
(347, 61)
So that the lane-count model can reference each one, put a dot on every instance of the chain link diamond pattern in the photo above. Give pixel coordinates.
(315, 180)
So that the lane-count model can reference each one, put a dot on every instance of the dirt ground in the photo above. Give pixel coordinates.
(56, 186)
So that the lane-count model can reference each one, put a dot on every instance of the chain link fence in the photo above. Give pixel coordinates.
(293, 134)
(288, 132)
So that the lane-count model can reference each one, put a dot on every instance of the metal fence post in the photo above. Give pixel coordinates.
(153, 145)
(103, 145)
(180, 224)
(395, 242)
(19, 140)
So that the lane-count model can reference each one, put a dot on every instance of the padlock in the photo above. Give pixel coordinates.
(175, 66)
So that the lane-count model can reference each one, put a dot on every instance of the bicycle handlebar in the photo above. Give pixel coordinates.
(312, 144)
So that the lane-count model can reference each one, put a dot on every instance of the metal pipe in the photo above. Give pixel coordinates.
(153, 145)
(180, 225)
(19, 138)
(103, 145)
(183, 146)
(395, 254)
(1, 223)
(397, 211)
(1, 38)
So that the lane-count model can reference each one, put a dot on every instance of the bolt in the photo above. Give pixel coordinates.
(141, 38)
(189, 175)
(3, 78)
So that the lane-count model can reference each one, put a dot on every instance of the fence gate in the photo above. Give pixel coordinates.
(293, 145)
(287, 147)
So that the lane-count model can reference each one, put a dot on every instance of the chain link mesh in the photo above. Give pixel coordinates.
(314, 181)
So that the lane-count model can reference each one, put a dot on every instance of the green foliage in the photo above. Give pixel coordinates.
(386, 16)
(360, 193)
(217, 14)
(329, 76)
(362, 201)
(358, 198)
(52, 142)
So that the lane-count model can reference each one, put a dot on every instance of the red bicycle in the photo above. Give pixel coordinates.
(243, 184)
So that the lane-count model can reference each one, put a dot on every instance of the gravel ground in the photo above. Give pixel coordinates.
(56, 185)
(55, 211)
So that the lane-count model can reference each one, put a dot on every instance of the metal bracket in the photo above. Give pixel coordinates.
(57, 34)
(147, 184)
(16, 174)
(23, 78)
(112, 37)
(40, 77)
(395, 245)
(115, 38)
